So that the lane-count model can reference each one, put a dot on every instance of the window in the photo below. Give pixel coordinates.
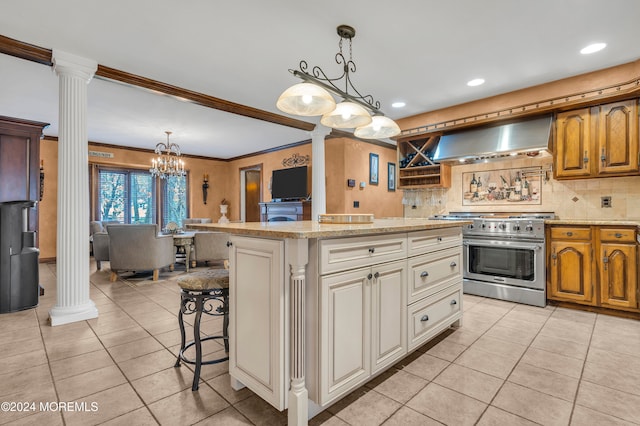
(131, 196)
(127, 196)
(174, 200)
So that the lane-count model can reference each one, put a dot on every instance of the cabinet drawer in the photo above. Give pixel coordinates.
(619, 235)
(430, 316)
(570, 233)
(432, 272)
(342, 254)
(422, 242)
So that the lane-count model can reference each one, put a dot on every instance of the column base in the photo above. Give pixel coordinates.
(60, 315)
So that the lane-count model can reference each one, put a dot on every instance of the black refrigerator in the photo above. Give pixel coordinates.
(19, 288)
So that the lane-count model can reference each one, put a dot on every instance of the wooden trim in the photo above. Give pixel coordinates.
(270, 150)
(22, 122)
(611, 93)
(27, 51)
(112, 74)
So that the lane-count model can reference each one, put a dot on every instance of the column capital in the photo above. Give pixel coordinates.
(65, 63)
(320, 131)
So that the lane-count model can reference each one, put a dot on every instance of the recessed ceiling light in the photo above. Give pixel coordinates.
(475, 82)
(398, 104)
(592, 48)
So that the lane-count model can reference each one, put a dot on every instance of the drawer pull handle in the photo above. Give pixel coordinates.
(569, 234)
(454, 302)
(439, 238)
(618, 235)
(453, 264)
(424, 318)
(376, 275)
(424, 274)
(371, 250)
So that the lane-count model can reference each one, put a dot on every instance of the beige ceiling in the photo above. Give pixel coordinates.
(421, 52)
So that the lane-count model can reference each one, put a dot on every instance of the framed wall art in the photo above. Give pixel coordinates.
(391, 173)
(521, 186)
(373, 169)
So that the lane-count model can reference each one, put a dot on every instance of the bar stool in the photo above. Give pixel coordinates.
(203, 292)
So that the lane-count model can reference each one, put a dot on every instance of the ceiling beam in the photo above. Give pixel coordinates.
(43, 56)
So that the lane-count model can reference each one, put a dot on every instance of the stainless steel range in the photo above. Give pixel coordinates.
(504, 255)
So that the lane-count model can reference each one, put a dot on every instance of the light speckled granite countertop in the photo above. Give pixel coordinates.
(313, 229)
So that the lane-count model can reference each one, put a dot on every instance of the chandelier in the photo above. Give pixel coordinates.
(168, 162)
(313, 97)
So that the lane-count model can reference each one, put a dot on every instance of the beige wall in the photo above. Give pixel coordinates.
(224, 181)
(557, 195)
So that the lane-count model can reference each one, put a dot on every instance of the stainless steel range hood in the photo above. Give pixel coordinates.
(531, 137)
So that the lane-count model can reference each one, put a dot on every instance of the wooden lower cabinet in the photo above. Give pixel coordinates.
(618, 276)
(608, 279)
(571, 271)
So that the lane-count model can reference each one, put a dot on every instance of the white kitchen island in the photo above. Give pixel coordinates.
(316, 310)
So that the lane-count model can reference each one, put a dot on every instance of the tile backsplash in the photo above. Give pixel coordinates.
(569, 199)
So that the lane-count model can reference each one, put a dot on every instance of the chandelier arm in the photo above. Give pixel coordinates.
(328, 85)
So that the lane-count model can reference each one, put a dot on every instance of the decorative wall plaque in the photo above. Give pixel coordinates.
(521, 186)
(296, 160)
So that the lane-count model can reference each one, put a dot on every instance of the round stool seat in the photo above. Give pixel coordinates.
(205, 280)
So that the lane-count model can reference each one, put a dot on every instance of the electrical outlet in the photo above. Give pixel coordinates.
(605, 202)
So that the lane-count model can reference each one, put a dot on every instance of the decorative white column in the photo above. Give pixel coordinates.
(72, 248)
(318, 187)
(298, 250)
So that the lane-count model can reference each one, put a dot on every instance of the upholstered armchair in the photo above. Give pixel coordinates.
(99, 240)
(210, 246)
(139, 248)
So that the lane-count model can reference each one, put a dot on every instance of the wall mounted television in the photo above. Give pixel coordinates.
(289, 184)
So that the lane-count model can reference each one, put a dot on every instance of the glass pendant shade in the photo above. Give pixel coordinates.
(380, 127)
(347, 115)
(305, 99)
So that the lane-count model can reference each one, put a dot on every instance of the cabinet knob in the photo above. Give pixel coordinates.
(424, 274)
(376, 275)
(454, 302)
(229, 243)
(569, 234)
(369, 276)
(372, 250)
(424, 318)
(439, 238)
(453, 264)
(618, 235)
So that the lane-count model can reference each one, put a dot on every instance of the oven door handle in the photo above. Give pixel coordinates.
(506, 244)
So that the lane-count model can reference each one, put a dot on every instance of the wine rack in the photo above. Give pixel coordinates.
(416, 166)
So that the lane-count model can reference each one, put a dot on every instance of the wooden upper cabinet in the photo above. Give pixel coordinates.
(573, 144)
(597, 142)
(617, 147)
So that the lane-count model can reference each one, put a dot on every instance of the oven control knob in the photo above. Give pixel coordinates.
(484, 225)
(529, 228)
(516, 227)
(471, 226)
(502, 226)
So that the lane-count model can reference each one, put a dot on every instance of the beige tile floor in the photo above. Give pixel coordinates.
(508, 365)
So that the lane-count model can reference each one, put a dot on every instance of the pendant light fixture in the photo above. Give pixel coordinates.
(314, 97)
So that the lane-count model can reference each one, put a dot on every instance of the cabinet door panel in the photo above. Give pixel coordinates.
(571, 272)
(573, 144)
(388, 314)
(257, 328)
(618, 275)
(345, 331)
(617, 148)
(14, 168)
